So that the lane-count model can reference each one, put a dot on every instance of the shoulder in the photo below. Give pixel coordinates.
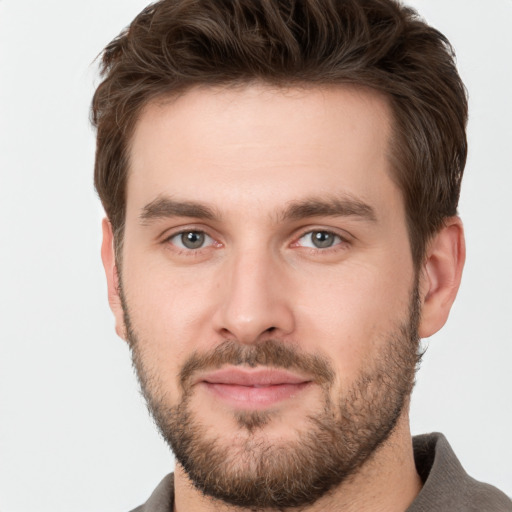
(482, 496)
(446, 485)
(161, 499)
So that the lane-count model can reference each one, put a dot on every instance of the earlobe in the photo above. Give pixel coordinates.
(441, 276)
(111, 273)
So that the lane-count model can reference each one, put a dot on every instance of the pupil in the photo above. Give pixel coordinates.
(322, 239)
(192, 240)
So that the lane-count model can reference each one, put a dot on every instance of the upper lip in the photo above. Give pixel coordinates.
(255, 377)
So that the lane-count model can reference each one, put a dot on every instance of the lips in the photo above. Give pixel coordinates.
(253, 388)
(252, 377)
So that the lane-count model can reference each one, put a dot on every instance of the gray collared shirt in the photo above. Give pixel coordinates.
(446, 486)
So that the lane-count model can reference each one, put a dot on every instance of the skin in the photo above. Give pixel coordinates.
(247, 154)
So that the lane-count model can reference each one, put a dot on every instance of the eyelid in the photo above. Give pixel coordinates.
(185, 228)
(207, 240)
(342, 234)
(177, 231)
(167, 235)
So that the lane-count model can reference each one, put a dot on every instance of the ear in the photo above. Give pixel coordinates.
(109, 264)
(441, 275)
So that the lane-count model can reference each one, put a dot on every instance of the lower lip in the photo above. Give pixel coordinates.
(255, 397)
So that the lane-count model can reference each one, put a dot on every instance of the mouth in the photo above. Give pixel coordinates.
(253, 388)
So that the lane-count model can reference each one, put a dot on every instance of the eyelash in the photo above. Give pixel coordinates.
(341, 241)
(188, 251)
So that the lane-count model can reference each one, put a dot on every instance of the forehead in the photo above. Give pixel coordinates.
(256, 145)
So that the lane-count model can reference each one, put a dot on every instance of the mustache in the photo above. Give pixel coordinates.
(272, 353)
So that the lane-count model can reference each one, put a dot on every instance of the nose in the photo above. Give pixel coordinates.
(255, 298)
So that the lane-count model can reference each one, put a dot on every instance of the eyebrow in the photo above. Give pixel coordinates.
(346, 206)
(165, 207)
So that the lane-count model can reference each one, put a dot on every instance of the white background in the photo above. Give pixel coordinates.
(74, 433)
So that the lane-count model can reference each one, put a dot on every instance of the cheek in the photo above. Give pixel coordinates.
(166, 300)
(349, 315)
(168, 316)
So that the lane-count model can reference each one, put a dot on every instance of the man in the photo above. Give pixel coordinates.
(281, 183)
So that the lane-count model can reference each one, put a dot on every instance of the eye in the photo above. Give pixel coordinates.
(191, 240)
(319, 239)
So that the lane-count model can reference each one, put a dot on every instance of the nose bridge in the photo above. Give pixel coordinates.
(254, 299)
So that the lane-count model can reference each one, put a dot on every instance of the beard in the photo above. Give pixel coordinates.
(252, 470)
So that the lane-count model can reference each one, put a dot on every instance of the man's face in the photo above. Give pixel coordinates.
(268, 287)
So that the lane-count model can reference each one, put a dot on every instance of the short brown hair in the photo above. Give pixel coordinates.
(173, 45)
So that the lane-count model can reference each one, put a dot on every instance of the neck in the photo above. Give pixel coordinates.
(387, 482)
